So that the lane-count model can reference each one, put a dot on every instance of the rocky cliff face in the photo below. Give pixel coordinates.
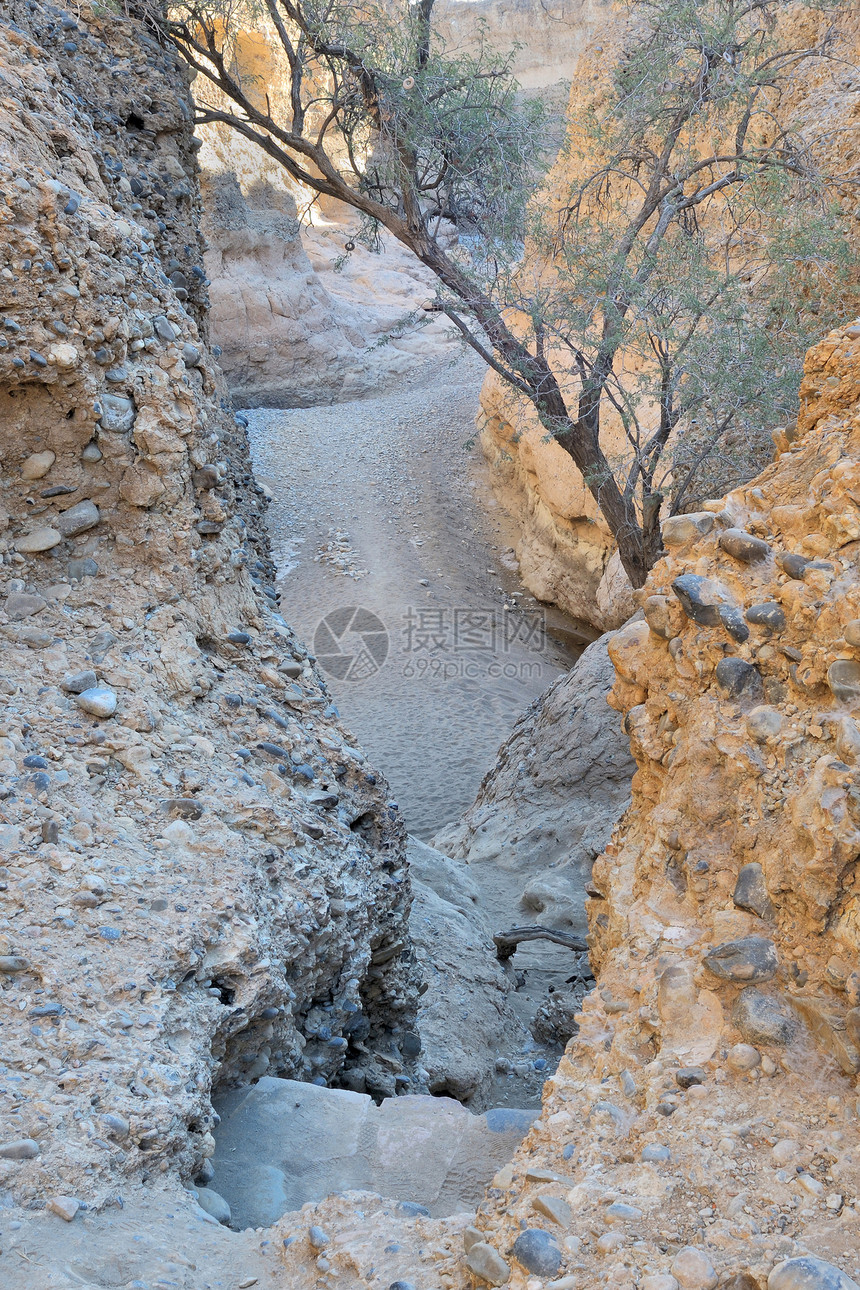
(201, 879)
(703, 1124)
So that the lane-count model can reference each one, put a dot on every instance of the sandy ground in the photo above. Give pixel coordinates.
(380, 505)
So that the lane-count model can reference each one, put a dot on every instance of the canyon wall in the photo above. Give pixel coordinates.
(566, 552)
(201, 876)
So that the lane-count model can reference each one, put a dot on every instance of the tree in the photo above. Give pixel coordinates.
(656, 312)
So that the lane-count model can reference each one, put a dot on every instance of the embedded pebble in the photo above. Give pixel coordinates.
(213, 1204)
(64, 1206)
(20, 1149)
(752, 958)
(37, 465)
(487, 1264)
(536, 1250)
(99, 701)
(78, 519)
(43, 539)
(743, 1057)
(78, 682)
(693, 1270)
(809, 1273)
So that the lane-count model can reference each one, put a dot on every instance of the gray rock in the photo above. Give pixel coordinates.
(118, 1125)
(43, 539)
(733, 621)
(769, 614)
(317, 1237)
(488, 1264)
(190, 355)
(701, 598)
(843, 677)
(752, 958)
(743, 546)
(77, 682)
(99, 701)
(213, 1204)
(20, 604)
(80, 569)
(13, 963)
(164, 328)
(751, 891)
(687, 1076)
(77, 519)
(619, 1212)
(656, 1153)
(761, 1020)
(794, 565)
(809, 1273)
(118, 413)
(65, 1207)
(764, 723)
(21, 1149)
(536, 1250)
(116, 375)
(693, 1269)
(92, 453)
(739, 679)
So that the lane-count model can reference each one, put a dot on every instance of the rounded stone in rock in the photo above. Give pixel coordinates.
(618, 1212)
(317, 1237)
(809, 1273)
(118, 413)
(13, 963)
(738, 679)
(751, 891)
(402, 1285)
(733, 621)
(852, 632)
(743, 546)
(769, 614)
(164, 328)
(487, 1264)
(239, 638)
(65, 1207)
(752, 958)
(98, 701)
(80, 569)
(78, 519)
(764, 722)
(20, 604)
(656, 1153)
(687, 1076)
(743, 1057)
(78, 682)
(677, 530)
(213, 1204)
(794, 565)
(658, 1281)
(693, 1269)
(37, 465)
(190, 355)
(761, 1020)
(20, 1149)
(92, 452)
(843, 677)
(44, 539)
(536, 1250)
(701, 598)
(118, 1125)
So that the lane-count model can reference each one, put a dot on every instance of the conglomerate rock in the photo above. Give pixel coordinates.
(201, 878)
(704, 1121)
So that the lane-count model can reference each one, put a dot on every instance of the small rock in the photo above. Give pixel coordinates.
(738, 679)
(553, 1208)
(618, 1212)
(13, 963)
(65, 1206)
(77, 519)
(164, 328)
(743, 546)
(37, 465)
(658, 1281)
(317, 1237)
(733, 621)
(43, 539)
(213, 1204)
(761, 1020)
(488, 1264)
(471, 1236)
(190, 355)
(99, 701)
(677, 530)
(687, 1076)
(655, 1152)
(852, 632)
(21, 1149)
(843, 677)
(92, 453)
(751, 891)
(77, 682)
(536, 1250)
(80, 569)
(769, 614)
(239, 638)
(794, 565)
(701, 598)
(118, 413)
(752, 958)
(743, 1057)
(764, 722)
(20, 604)
(116, 1124)
(693, 1270)
(186, 808)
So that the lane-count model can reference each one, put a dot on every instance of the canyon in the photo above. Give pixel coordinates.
(256, 1027)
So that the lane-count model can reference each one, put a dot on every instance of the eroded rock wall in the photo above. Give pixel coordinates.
(704, 1122)
(201, 878)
